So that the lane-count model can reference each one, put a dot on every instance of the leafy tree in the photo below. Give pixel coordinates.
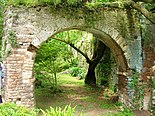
(98, 52)
(99, 49)
(48, 61)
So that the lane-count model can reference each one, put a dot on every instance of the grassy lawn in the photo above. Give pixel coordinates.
(89, 101)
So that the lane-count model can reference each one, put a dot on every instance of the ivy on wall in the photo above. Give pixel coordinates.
(13, 39)
(105, 68)
(53, 2)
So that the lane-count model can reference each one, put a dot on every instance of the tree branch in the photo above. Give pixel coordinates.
(73, 46)
(145, 1)
(144, 11)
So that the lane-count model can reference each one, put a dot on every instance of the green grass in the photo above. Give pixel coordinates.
(105, 105)
(75, 93)
(69, 80)
(87, 98)
(125, 112)
(46, 98)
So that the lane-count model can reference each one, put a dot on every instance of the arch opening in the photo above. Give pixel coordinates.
(108, 41)
(100, 35)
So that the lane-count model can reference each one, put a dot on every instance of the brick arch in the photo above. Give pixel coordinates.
(32, 27)
(118, 46)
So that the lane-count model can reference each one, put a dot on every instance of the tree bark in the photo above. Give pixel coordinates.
(99, 49)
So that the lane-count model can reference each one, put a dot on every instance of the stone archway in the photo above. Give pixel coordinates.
(30, 27)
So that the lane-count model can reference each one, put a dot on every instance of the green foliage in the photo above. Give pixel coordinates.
(72, 2)
(152, 89)
(103, 0)
(13, 39)
(39, 2)
(105, 105)
(54, 2)
(67, 111)
(11, 109)
(76, 71)
(55, 56)
(73, 35)
(149, 6)
(104, 68)
(48, 57)
(139, 88)
(125, 112)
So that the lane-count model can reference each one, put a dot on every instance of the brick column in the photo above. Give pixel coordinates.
(19, 87)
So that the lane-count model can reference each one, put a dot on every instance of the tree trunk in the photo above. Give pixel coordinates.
(99, 48)
(90, 78)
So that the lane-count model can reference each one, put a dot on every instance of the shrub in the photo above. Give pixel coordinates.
(67, 111)
(76, 71)
(11, 109)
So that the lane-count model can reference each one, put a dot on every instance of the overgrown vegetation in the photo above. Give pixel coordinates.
(11, 109)
(51, 2)
(74, 93)
(125, 112)
(67, 111)
(55, 56)
(78, 72)
(13, 39)
(105, 70)
(138, 90)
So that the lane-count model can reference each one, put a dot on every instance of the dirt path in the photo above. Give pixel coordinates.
(91, 102)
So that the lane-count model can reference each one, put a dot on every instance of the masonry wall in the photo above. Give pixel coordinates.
(25, 27)
(148, 50)
(148, 70)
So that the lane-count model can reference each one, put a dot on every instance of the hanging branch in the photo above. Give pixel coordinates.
(73, 46)
(144, 11)
(145, 1)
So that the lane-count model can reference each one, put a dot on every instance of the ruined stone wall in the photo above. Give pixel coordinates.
(27, 28)
(148, 71)
(148, 50)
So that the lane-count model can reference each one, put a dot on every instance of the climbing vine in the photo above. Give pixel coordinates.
(105, 68)
(13, 39)
(139, 91)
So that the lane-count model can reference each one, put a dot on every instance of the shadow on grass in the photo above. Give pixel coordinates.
(75, 93)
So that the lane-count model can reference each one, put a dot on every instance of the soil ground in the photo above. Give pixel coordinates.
(88, 101)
